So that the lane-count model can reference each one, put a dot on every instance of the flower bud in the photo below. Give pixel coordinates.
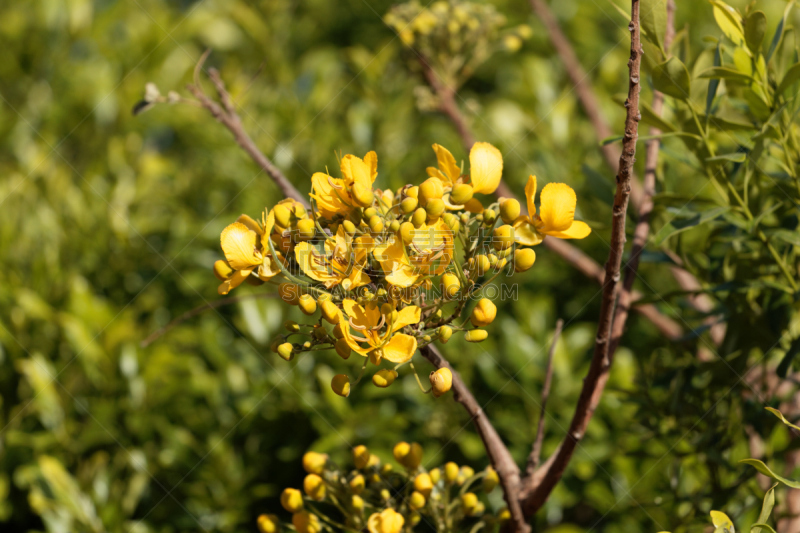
(400, 450)
(408, 205)
(423, 484)
(407, 232)
(357, 484)
(314, 487)
(222, 270)
(291, 326)
(524, 259)
(489, 216)
(268, 523)
(337, 331)
(466, 473)
(450, 472)
(384, 377)
(283, 217)
(314, 463)
(305, 522)
(452, 222)
(414, 518)
(349, 227)
(408, 455)
(292, 500)
(374, 461)
(286, 351)
(435, 209)
(412, 192)
(387, 521)
(504, 253)
(461, 194)
(376, 224)
(419, 217)
(431, 189)
(465, 218)
(394, 226)
(385, 469)
(436, 475)
(492, 260)
(362, 195)
(386, 495)
(441, 381)
(370, 212)
(445, 332)
(357, 502)
(360, 456)
(341, 385)
(307, 304)
(490, 480)
(330, 312)
(503, 515)
(509, 210)
(306, 229)
(450, 285)
(307, 345)
(469, 501)
(416, 501)
(503, 237)
(482, 264)
(476, 335)
(484, 313)
(343, 349)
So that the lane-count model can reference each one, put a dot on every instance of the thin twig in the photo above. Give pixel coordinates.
(502, 462)
(540, 485)
(536, 449)
(198, 310)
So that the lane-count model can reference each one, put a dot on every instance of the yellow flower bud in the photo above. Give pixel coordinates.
(357, 484)
(376, 224)
(291, 326)
(268, 523)
(419, 217)
(289, 293)
(503, 237)
(461, 194)
(307, 304)
(400, 451)
(469, 502)
(490, 480)
(408, 205)
(441, 381)
(489, 216)
(423, 484)
(435, 209)
(482, 264)
(286, 351)
(492, 260)
(360, 456)
(501, 264)
(431, 189)
(222, 270)
(467, 472)
(452, 222)
(385, 469)
(436, 475)
(343, 349)
(509, 210)
(292, 500)
(394, 226)
(512, 43)
(484, 313)
(387, 521)
(414, 518)
(384, 377)
(412, 192)
(505, 253)
(314, 487)
(524, 259)
(341, 385)
(283, 217)
(337, 332)
(357, 503)
(450, 285)
(330, 312)
(450, 472)
(362, 195)
(503, 515)
(306, 229)
(314, 463)
(416, 501)
(445, 332)
(370, 212)
(407, 232)
(349, 227)
(374, 461)
(305, 522)
(385, 494)
(476, 335)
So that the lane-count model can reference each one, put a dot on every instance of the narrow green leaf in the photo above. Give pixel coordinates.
(677, 225)
(651, 118)
(764, 469)
(736, 157)
(653, 18)
(725, 73)
(787, 236)
(724, 124)
(791, 76)
(729, 21)
(766, 511)
(672, 78)
(755, 27)
(756, 528)
(713, 84)
(776, 39)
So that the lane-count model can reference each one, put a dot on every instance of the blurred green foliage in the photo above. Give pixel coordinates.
(109, 226)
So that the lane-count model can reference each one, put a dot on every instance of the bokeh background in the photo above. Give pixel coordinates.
(109, 225)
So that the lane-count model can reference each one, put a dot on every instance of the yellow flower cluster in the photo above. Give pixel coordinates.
(384, 499)
(386, 272)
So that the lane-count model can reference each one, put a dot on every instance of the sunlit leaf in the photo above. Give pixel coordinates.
(729, 21)
(653, 17)
(764, 469)
(776, 39)
(726, 73)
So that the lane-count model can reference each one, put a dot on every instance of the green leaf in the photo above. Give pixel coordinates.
(787, 236)
(755, 27)
(756, 528)
(678, 225)
(776, 39)
(726, 73)
(724, 124)
(651, 118)
(764, 469)
(713, 85)
(653, 19)
(729, 21)
(791, 76)
(766, 511)
(783, 369)
(736, 157)
(672, 78)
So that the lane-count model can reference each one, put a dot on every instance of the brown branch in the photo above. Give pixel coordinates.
(539, 486)
(536, 449)
(198, 310)
(642, 230)
(226, 114)
(502, 462)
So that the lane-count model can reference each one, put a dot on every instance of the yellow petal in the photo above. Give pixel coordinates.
(304, 253)
(331, 196)
(525, 234)
(557, 207)
(237, 279)
(348, 337)
(406, 317)
(250, 223)
(239, 245)
(720, 519)
(485, 167)
(400, 349)
(371, 159)
(578, 230)
(355, 170)
(447, 164)
(402, 275)
(530, 194)
(358, 278)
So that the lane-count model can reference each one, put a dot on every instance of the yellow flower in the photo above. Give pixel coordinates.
(359, 175)
(342, 263)
(555, 218)
(245, 246)
(369, 321)
(449, 171)
(332, 198)
(485, 167)
(428, 254)
(387, 521)
(305, 522)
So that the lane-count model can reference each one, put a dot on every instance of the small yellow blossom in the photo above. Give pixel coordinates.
(361, 456)
(387, 521)
(556, 216)
(342, 263)
(268, 523)
(244, 244)
(331, 196)
(305, 522)
(292, 500)
(359, 175)
(314, 487)
(314, 463)
(377, 330)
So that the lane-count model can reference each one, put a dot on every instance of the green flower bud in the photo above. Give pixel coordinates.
(291, 326)
(452, 222)
(489, 216)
